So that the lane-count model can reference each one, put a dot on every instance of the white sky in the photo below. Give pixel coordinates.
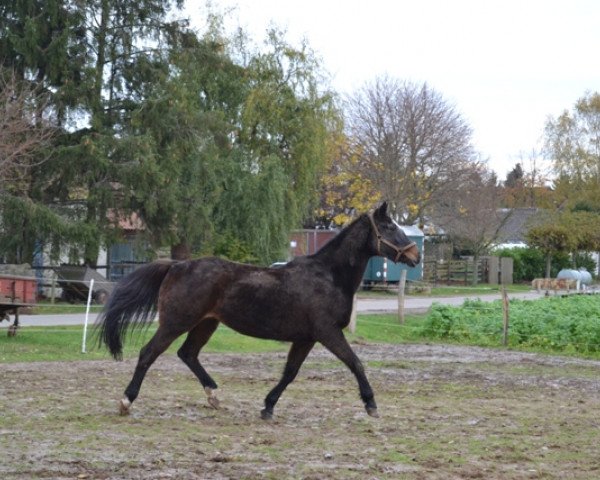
(506, 65)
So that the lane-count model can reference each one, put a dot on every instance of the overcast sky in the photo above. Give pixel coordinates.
(506, 65)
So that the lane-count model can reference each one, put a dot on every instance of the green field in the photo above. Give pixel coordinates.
(569, 325)
(65, 343)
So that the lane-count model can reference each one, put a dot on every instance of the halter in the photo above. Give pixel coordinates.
(399, 250)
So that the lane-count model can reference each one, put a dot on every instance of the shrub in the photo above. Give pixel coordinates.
(556, 323)
(530, 263)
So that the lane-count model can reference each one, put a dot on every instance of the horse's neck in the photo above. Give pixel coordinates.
(347, 255)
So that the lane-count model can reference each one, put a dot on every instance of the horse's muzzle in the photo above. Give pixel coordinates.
(411, 256)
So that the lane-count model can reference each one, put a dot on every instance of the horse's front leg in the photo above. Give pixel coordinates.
(296, 356)
(337, 344)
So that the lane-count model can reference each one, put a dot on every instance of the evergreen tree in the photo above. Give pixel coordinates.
(158, 123)
(93, 58)
(514, 178)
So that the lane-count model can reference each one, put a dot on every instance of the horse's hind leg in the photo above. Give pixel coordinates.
(161, 340)
(296, 357)
(337, 344)
(189, 351)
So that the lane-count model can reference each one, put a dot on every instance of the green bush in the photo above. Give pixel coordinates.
(530, 263)
(559, 324)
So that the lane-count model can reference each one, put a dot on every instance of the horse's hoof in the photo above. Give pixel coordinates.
(213, 401)
(124, 407)
(266, 414)
(372, 412)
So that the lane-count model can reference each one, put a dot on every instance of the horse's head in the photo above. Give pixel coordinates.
(390, 241)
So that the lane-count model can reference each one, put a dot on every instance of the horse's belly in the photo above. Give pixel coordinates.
(269, 320)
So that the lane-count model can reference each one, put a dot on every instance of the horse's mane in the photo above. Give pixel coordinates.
(333, 245)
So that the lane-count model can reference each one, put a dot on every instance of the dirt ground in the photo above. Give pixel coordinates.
(446, 413)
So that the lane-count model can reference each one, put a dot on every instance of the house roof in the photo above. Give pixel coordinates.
(517, 222)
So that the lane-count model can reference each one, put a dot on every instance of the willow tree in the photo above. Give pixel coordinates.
(283, 144)
(236, 149)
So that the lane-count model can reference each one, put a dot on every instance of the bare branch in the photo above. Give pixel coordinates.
(471, 216)
(24, 132)
(416, 146)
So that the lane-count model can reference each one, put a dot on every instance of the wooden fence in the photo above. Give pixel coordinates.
(451, 272)
(491, 270)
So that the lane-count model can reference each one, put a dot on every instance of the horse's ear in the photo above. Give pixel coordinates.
(382, 210)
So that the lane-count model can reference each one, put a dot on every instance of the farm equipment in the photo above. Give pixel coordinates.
(15, 293)
(75, 282)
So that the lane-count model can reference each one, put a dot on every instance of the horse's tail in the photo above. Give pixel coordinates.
(132, 303)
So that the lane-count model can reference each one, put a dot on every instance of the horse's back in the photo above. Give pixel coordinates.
(194, 287)
(284, 303)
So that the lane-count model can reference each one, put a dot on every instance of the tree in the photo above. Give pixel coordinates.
(572, 141)
(416, 146)
(527, 184)
(551, 239)
(236, 150)
(283, 143)
(514, 178)
(24, 132)
(184, 130)
(37, 60)
(472, 217)
(94, 59)
(158, 122)
(344, 188)
(25, 136)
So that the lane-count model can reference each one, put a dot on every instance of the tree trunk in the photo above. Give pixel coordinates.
(181, 251)
(548, 264)
(475, 269)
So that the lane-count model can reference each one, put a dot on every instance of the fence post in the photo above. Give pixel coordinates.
(506, 316)
(53, 289)
(87, 315)
(401, 286)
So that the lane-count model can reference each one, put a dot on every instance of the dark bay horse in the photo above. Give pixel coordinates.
(306, 301)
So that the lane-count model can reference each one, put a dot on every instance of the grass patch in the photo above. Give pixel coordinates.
(61, 343)
(46, 307)
(65, 343)
(385, 328)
